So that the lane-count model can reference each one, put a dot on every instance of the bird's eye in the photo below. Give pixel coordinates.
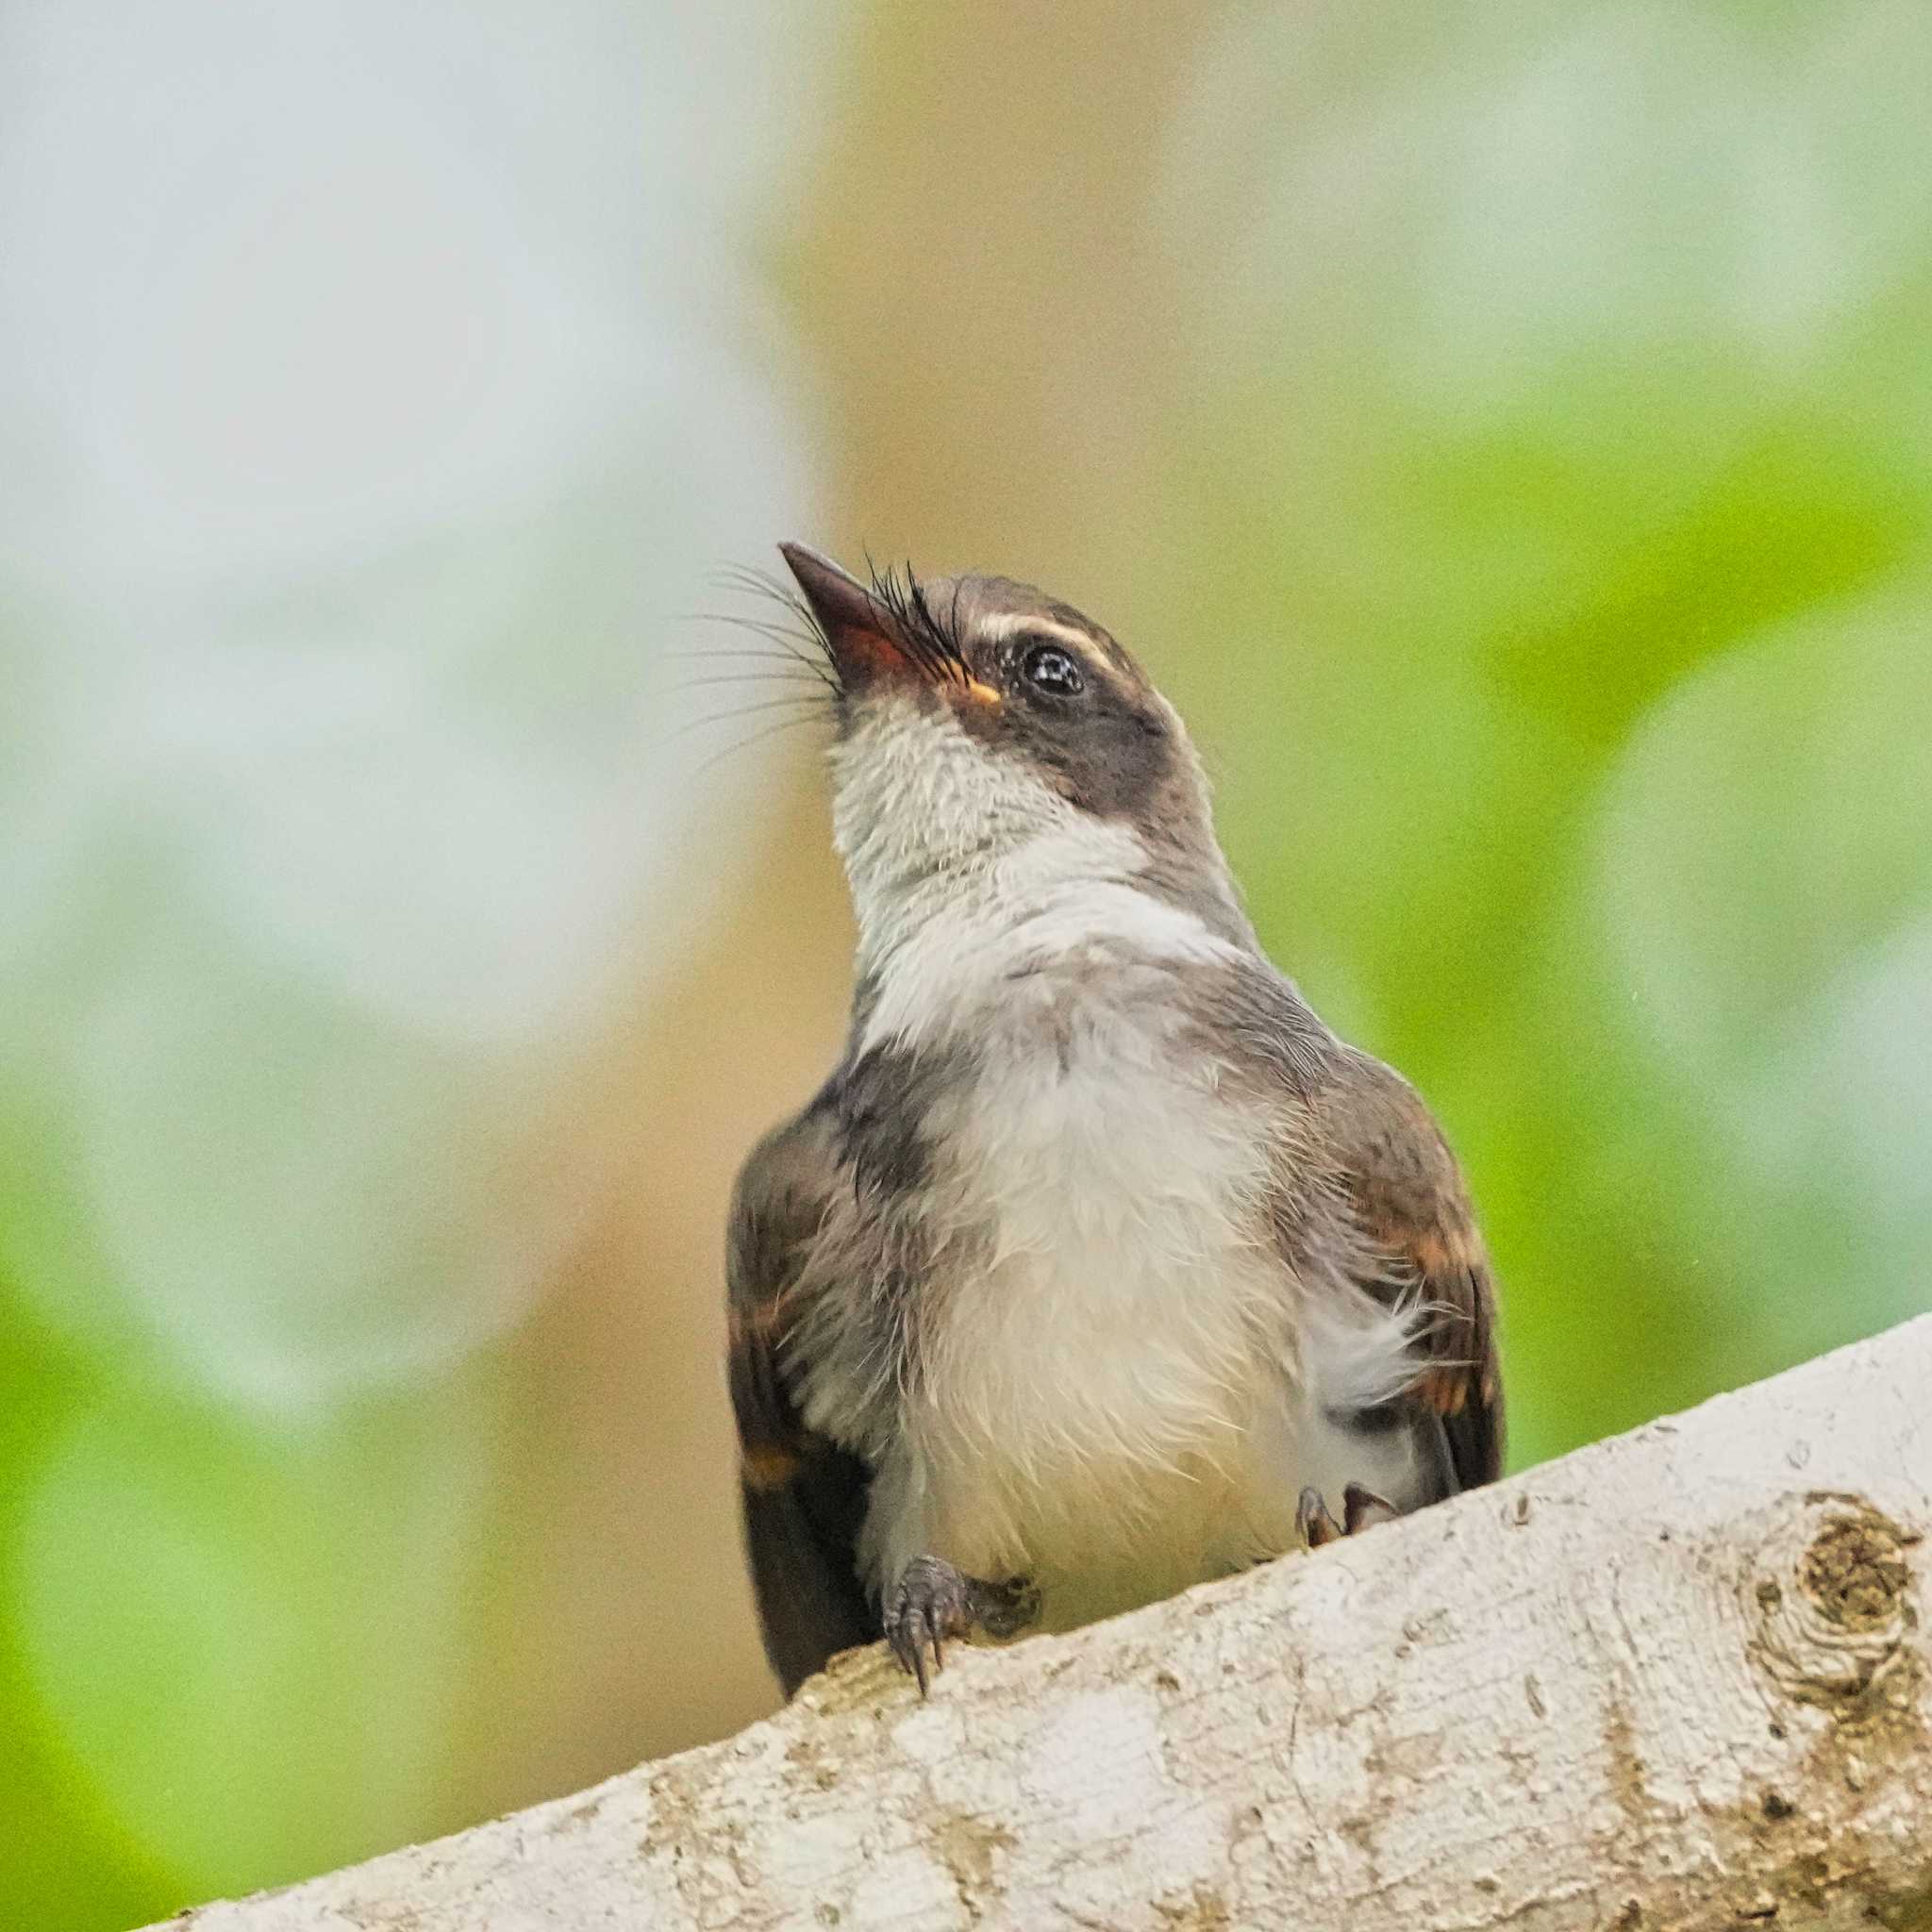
(1048, 668)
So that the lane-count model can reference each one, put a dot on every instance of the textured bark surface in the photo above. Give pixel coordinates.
(1676, 1680)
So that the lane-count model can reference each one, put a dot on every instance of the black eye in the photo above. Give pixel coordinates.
(1048, 668)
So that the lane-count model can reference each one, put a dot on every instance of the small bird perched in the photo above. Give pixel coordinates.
(1099, 1262)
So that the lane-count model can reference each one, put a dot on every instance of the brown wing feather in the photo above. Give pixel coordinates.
(1410, 1202)
(804, 1498)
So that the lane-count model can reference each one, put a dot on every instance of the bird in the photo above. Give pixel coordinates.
(1099, 1264)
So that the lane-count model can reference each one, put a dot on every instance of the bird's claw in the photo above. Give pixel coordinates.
(934, 1600)
(1361, 1509)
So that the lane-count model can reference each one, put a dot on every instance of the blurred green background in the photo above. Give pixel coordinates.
(1505, 432)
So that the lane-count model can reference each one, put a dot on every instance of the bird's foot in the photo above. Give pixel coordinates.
(933, 1602)
(1361, 1509)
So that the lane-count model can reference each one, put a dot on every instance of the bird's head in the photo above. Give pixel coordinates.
(987, 732)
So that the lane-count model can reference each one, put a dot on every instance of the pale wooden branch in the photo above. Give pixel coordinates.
(1676, 1680)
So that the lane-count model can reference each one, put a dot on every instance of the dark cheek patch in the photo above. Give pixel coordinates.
(1106, 753)
(1111, 764)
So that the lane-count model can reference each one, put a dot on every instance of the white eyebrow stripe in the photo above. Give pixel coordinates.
(1002, 626)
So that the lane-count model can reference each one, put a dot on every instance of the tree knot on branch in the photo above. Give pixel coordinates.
(1832, 1600)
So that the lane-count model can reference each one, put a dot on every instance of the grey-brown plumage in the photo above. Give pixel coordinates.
(1099, 1261)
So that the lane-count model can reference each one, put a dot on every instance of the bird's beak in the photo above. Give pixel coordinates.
(859, 630)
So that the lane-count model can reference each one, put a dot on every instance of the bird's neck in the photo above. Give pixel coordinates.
(936, 949)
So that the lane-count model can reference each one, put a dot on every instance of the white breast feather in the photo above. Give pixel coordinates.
(1113, 1402)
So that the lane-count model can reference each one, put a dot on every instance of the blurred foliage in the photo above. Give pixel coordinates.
(1504, 432)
